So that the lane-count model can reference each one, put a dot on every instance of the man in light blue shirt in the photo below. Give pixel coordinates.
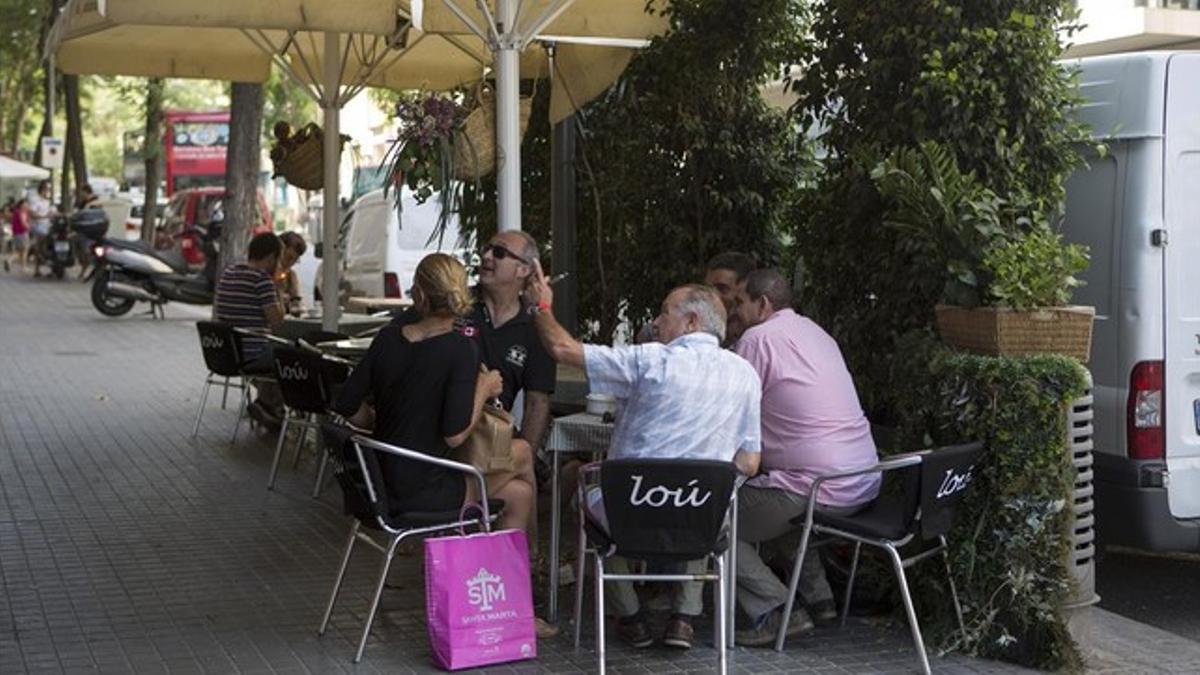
(683, 397)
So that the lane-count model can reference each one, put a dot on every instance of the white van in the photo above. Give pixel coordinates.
(381, 248)
(1138, 208)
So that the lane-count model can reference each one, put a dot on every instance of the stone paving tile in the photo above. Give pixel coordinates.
(126, 547)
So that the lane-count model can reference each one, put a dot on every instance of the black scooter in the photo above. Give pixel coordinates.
(133, 271)
(56, 250)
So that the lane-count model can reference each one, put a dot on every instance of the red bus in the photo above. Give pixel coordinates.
(194, 145)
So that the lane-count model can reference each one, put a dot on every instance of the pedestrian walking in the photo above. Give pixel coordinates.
(19, 218)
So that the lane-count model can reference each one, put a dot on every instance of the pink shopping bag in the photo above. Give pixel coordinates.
(479, 599)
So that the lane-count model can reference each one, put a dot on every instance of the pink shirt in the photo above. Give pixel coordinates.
(812, 422)
(19, 226)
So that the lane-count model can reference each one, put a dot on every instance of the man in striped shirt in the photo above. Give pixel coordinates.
(246, 298)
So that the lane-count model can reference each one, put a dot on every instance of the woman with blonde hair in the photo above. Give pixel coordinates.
(428, 392)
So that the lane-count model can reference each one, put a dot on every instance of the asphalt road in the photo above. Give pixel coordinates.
(1159, 589)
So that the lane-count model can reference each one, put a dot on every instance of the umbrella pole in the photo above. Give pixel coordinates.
(331, 269)
(508, 134)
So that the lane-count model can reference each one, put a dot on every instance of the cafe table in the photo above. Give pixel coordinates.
(374, 304)
(294, 327)
(587, 434)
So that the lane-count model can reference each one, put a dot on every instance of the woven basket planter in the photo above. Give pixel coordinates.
(475, 149)
(304, 163)
(996, 331)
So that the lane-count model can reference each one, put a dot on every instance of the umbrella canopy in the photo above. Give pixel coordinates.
(335, 48)
(11, 169)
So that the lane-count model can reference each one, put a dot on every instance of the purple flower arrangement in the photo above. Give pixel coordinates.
(422, 153)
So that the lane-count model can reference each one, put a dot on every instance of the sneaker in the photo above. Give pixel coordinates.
(679, 633)
(767, 629)
(635, 633)
(823, 612)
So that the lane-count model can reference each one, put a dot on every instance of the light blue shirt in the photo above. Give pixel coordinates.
(687, 399)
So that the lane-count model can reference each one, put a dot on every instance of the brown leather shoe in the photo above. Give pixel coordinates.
(636, 633)
(679, 633)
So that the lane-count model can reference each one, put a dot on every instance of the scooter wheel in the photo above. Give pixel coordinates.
(58, 271)
(109, 305)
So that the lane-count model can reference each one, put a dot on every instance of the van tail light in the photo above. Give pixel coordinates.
(1145, 412)
(391, 285)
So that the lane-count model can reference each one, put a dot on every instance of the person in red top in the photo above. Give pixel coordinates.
(20, 234)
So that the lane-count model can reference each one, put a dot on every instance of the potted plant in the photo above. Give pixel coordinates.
(1009, 276)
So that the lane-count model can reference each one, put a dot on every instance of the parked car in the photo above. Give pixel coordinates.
(381, 248)
(133, 224)
(198, 206)
(1135, 206)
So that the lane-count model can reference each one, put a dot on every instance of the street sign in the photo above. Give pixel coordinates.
(52, 153)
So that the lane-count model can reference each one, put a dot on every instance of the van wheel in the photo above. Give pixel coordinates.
(108, 305)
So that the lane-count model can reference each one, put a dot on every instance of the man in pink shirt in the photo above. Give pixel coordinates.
(812, 423)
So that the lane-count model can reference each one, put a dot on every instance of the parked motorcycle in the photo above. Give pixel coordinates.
(129, 272)
(55, 250)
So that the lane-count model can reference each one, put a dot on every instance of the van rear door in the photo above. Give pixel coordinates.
(1181, 296)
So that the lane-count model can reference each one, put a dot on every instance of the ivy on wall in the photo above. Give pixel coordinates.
(1011, 544)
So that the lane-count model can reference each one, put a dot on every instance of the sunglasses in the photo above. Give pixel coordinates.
(499, 252)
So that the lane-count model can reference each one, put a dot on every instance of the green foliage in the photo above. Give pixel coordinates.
(1011, 543)
(679, 160)
(23, 22)
(980, 80)
(1034, 270)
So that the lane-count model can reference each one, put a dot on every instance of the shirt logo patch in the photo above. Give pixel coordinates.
(516, 355)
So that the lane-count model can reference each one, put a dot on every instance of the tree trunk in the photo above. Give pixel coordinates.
(241, 170)
(76, 150)
(151, 154)
(47, 119)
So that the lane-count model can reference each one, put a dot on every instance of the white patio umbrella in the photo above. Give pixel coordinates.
(11, 169)
(334, 49)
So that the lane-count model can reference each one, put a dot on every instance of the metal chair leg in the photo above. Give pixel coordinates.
(600, 613)
(387, 564)
(898, 564)
(962, 625)
(722, 591)
(241, 413)
(732, 569)
(581, 564)
(203, 401)
(850, 584)
(337, 581)
(304, 421)
(320, 483)
(225, 393)
(793, 582)
(287, 420)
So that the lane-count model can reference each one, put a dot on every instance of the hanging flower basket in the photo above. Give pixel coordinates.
(999, 331)
(475, 147)
(299, 157)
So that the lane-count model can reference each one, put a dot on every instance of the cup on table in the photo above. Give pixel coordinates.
(599, 404)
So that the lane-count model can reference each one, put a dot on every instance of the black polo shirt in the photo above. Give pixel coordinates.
(513, 348)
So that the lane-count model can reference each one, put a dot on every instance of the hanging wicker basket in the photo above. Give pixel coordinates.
(997, 331)
(475, 146)
(299, 158)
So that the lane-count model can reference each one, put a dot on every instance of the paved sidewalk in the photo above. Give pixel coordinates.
(124, 547)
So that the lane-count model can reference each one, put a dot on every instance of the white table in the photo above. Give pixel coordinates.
(584, 433)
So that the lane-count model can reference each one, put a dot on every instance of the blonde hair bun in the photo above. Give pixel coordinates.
(443, 281)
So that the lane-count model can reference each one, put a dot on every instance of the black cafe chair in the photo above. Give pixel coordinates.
(657, 511)
(932, 484)
(222, 355)
(306, 381)
(355, 461)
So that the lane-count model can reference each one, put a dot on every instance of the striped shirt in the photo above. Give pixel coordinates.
(243, 295)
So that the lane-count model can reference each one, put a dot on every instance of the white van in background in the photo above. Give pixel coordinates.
(381, 248)
(1138, 208)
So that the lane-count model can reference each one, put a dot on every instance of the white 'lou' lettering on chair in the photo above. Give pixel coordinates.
(293, 373)
(952, 482)
(659, 495)
(211, 342)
